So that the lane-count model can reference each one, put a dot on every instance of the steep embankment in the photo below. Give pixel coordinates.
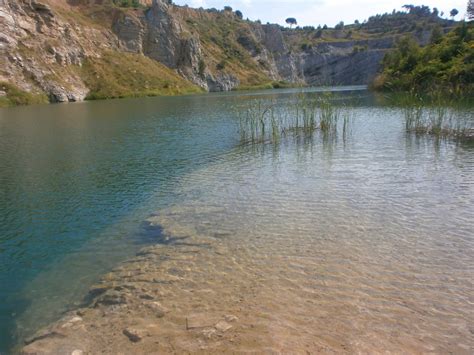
(72, 50)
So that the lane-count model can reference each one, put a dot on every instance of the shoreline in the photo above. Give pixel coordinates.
(39, 99)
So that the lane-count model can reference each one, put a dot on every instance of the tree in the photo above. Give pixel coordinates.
(228, 8)
(470, 9)
(454, 12)
(291, 21)
(436, 34)
(239, 14)
(340, 26)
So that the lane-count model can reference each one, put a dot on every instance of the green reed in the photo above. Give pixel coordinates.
(264, 120)
(440, 117)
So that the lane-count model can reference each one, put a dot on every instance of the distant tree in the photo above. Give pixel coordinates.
(340, 26)
(325, 27)
(470, 9)
(357, 22)
(239, 14)
(408, 7)
(453, 13)
(435, 12)
(228, 8)
(291, 21)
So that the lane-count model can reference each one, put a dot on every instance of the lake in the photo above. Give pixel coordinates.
(362, 242)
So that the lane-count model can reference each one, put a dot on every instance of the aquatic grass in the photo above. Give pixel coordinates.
(263, 120)
(440, 117)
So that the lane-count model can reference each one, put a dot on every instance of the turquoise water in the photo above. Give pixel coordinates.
(77, 181)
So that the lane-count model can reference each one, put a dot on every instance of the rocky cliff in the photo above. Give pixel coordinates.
(62, 48)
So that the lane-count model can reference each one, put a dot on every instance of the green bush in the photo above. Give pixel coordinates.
(127, 3)
(445, 65)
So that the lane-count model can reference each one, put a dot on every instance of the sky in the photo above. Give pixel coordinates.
(320, 12)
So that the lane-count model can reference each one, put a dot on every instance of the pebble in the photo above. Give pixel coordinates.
(70, 322)
(157, 309)
(222, 326)
(231, 318)
(133, 334)
(146, 296)
(208, 333)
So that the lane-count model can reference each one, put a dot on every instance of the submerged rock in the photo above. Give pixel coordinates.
(134, 335)
(222, 326)
(111, 298)
(231, 318)
(157, 309)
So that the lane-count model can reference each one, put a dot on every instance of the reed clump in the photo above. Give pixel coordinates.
(439, 117)
(264, 120)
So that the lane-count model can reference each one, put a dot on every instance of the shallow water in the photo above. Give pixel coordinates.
(363, 243)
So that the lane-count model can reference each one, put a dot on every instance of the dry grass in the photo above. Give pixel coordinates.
(17, 97)
(116, 75)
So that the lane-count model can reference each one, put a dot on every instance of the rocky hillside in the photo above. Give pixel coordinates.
(70, 50)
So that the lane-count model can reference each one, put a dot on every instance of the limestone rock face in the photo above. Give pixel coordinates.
(130, 32)
(160, 35)
(341, 63)
(331, 63)
(163, 38)
(37, 46)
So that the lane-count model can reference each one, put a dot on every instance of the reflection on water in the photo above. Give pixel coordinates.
(356, 244)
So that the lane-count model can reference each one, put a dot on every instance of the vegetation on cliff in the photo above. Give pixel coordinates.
(228, 45)
(446, 65)
(414, 20)
(116, 75)
(13, 96)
